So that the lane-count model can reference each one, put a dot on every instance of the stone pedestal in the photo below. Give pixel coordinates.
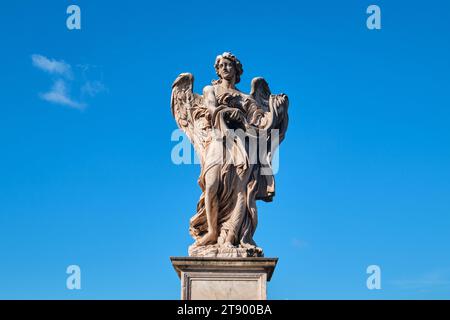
(207, 278)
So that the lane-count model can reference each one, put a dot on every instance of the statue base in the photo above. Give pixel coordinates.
(208, 278)
(223, 252)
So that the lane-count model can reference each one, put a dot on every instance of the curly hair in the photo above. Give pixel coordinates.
(236, 62)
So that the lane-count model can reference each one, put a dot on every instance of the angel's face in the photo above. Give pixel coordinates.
(227, 70)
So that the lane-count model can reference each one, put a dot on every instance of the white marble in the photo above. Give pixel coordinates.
(205, 278)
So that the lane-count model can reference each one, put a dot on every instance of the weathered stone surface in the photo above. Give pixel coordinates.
(223, 252)
(204, 278)
(235, 136)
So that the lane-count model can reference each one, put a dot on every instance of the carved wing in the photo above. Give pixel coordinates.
(189, 112)
(260, 92)
(272, 107)
(269, 112)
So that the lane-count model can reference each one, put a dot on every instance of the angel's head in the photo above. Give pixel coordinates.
(228, 67)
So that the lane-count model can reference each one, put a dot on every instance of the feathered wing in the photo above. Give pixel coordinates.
(270, 113)
(271, 107)
(260, 92)
(189, 112)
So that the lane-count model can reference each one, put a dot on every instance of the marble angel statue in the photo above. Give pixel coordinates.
(234, 135)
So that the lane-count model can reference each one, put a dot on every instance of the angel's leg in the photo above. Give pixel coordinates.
(211, 205)
(239, 210)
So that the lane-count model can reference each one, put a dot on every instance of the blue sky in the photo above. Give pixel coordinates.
(86, 176)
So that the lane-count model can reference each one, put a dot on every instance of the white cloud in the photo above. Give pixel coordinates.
(52, 66)
(65, 78)
(433, 279)
(92, 88)
(59, 95)
(299, 244)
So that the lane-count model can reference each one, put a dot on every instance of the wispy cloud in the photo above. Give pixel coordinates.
(59, 95)
(92, 88)
(67, 78)
(299, 244)
(52, 66)
(433, 279)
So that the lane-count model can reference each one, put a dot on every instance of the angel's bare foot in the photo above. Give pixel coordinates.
(248, 246)
(228, 244)
(208, 238)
